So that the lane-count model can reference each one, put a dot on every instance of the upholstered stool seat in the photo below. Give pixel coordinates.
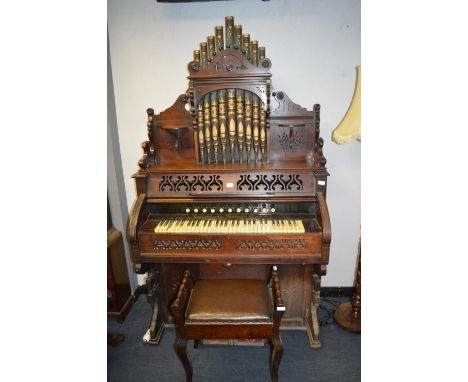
(229, 300)
(228, 309)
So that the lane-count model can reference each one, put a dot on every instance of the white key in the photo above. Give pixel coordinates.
(301, 226)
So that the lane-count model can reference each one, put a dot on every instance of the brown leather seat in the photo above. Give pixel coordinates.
(228, 309)
(229, 300)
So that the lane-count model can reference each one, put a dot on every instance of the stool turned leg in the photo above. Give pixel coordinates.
(180, 348)
(177, 309)
(277, 354)
(279, 309)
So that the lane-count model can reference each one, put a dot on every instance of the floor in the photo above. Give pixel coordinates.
(339, 359)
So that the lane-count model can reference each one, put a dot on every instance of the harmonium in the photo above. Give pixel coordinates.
(232, 181)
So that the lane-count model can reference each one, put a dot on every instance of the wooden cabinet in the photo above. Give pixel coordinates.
(119, 296)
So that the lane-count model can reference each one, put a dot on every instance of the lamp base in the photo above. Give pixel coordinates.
(345, 317)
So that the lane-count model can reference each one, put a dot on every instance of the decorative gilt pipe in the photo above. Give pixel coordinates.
(229, 20)
(246, 45)
(203, 54)
(222, 122)
(231, 100)
(211, 48)
(254, 52)
(248, 123)
(256, 123)
(238, 36)
(201, 137)
(261, 53)
(196, 55)
(214, 123)
(240, 121)
(207, 119)
(219, 38)
(262, 131)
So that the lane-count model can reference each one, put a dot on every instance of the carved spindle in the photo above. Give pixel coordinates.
(248, 123)
(319, 159)
(219, 38)
(231, 100)
(196, 55)
(229, 20)
(238, 36)
(201, 137)
(246, 45)
(256, 124)
(211, 48)
(254, 52)
(148, 146)
(203, 54)
(222, 122)
(261, 53)
(262, 131)
(207, 120)
(240, 121)
(149, 124)
(214, 123)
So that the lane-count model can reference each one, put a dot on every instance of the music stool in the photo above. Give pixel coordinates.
(228, 309)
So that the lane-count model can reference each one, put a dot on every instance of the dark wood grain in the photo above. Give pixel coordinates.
(177, 172)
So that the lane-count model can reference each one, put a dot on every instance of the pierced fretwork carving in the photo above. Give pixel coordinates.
(290, 142)
(193, 183)
(270, 182)
(256, 245)
(186, 245)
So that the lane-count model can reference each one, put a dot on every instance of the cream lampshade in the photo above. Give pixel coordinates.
(349, 129)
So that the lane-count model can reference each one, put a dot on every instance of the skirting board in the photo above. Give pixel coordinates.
(336, 291)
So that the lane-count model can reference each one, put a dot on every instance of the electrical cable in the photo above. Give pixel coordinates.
(329, 310)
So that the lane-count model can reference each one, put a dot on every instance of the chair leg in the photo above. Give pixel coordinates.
(277, 354)
(180, 348)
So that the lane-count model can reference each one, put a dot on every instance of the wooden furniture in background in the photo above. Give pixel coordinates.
(228, 309)
(232, 180)
(119, 292)
(348, 314)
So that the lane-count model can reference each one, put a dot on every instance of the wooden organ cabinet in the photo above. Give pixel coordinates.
(232, 180)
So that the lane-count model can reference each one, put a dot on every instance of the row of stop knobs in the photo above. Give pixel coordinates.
(230, 210)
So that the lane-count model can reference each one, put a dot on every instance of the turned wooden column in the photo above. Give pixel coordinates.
(348, 314)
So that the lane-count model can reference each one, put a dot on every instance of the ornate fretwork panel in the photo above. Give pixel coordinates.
(258, 245)
(278, 182)
(186, 245)
(190, 183)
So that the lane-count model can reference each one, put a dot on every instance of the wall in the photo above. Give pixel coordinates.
(115, 182)
(314, 47)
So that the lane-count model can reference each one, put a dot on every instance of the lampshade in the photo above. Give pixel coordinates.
(349, 129)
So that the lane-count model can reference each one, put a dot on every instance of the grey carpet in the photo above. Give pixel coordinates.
(337, 361)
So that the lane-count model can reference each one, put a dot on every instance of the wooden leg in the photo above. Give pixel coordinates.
(348, 314)
(114, 341)
(276, 355)
(156, 327)
(180, 347)
(312, 320)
